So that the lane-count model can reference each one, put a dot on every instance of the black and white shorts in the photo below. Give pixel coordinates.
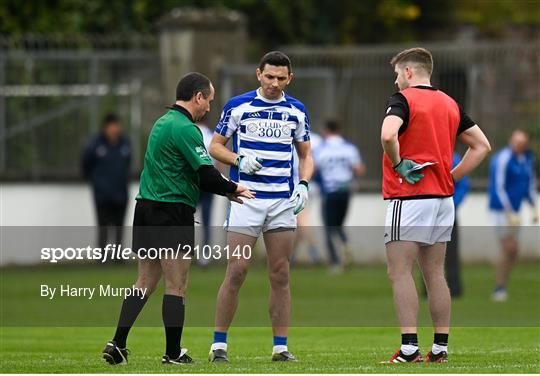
(426, 221)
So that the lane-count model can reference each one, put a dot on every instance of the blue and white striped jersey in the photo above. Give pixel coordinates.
(335, 160)
(266, 129)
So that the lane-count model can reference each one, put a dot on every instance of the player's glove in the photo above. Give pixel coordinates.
(513, 219)
(248, 165)
(404, 168)
(300, 196)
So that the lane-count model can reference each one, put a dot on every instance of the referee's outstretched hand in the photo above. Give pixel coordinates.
(241, 191)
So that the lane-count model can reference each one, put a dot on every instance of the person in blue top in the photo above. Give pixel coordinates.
(105, 164)
(511, 181)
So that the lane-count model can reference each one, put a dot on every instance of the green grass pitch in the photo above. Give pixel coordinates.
(342, 324)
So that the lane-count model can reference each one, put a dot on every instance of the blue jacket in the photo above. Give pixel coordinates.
(461, 187)
(106, 166)
(511, 180)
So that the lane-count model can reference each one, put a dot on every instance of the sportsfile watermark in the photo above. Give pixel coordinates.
(116, 252)
(62, 277)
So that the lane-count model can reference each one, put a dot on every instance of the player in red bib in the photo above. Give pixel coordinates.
(418, 136)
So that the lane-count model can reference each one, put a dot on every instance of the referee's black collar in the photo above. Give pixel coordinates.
(181, 110)
(425, 87)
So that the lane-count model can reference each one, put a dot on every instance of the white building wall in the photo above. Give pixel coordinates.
(71, 205)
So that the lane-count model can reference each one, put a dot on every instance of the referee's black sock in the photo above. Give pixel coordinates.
(131, 308)
(173, 312)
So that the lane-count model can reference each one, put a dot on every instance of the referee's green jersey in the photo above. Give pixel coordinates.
(174, 153)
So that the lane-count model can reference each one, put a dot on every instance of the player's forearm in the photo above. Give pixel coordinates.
(221, 153)
(389, 137)
(472, 158)
(305, 168)
(391, 148)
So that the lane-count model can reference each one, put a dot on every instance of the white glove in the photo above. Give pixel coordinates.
(249, 165)
(300, 197)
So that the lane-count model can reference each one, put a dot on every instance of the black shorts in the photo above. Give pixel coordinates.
(162, 225)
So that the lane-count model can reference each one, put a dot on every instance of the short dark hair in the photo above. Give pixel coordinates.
(275, 58)
(417, 55)
(332, 125)
(191, 84)
(110, 118)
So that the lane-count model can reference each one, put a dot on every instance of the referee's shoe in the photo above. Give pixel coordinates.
(114, 354)
(183, 358)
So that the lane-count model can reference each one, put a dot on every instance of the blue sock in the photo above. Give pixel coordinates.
(280, 341)
(220, 337)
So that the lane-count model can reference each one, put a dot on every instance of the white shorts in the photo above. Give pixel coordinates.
(260, 215)
(426, 221)
(500, 222)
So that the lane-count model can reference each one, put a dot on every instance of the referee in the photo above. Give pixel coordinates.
(176, 168)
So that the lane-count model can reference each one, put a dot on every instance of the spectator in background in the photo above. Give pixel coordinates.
(511, 180)
(303, 230)
(105, 164)
(338, 162)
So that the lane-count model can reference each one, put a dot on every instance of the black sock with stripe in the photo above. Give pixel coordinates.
(440, 343)
(409, 345)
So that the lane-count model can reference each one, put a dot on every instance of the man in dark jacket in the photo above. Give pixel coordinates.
(105, 165)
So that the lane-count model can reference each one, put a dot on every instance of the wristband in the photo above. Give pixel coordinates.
(237, 160)
(304, 182)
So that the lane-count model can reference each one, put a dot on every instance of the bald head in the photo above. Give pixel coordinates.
(519, 141)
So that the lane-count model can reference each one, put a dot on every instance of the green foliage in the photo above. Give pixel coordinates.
(493, 15)
(274, 22)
